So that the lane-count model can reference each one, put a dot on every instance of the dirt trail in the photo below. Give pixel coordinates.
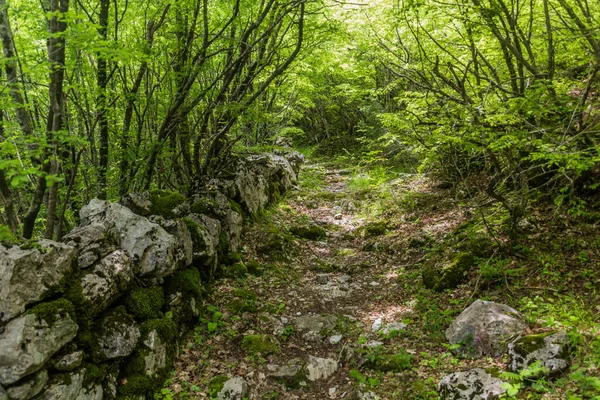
(319, 317)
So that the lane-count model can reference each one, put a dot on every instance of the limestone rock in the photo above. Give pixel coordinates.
(322, 279)
(70, 386)
(105, 225)
(106, 281)
(320, 368)
(484, 329)
(28, 387)
(315, 327)
(393, 327)
(205, 233)
(235, 388)
(3, 394)
(185, 248)
(70, 361)
(289, 374)
(475, 384)
(551, 349)
(139, 203)
(252, 190)
(294, 158)
(116, 336)
(26, 276)
(28, 341)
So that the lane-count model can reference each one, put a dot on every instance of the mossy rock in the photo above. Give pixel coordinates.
(391, 362)
(167, 204)
(188, 283)
(216, 385)
(136, 386)
(145, 304)
(324, 267)
(235, 206)
(205, 206)
(276, 244)
(310, 232)
(95, 373)
(261, 345)
(244, 294)
(53, 311)
(238, 270)
(450, 276)
(230, 258)
(373, 229)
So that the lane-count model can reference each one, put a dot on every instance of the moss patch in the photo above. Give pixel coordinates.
(449, 276)
(276, 244)
(261, 344)
(165, 203)
(310, 232)
(53, 311)
(6, 237)
(238, 270)
(145, 304)
(375, 229)
(188, 283)
(390, 362)
(133, 386)
(254, 268)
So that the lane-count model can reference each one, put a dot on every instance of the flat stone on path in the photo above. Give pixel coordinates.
(320, 368)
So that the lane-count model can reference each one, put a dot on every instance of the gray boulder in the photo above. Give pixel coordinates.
(475, 384)
(295, 158)
(26, 276)
(28, 387)
(205, 232)
(289, 374)
(106, 281)
(235, 388)
(484, 329)
(315, 327)
(185, 248)
(116, 336)
(252, 190)
(28, 341)
(106, 225)
(552, 350)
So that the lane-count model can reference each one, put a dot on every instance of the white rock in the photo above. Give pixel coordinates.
(320, 368)
(377, 324)
(335, 339)
(475, 384)
(235, 388)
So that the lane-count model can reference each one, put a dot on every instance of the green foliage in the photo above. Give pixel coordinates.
(53, 311)
(6, 237)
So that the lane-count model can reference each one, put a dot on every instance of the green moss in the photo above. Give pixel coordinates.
(204, 206)
(164, 202)
(145, 303)
(133, 386)
(449, 276)
(223, 247)
(261, 344)
(276, 244)
(216, 385)
(237, 306)
(375, 229)
(238, 270)
(94, 373)
(188, 283)
(54, 310)
(230, 258)
(244, 293)
(391, 362)
(274, 192)
(324, 267)
(310, 232)
(531, 343)
(235, 206)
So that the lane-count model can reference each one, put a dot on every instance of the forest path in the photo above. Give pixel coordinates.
(325, 310)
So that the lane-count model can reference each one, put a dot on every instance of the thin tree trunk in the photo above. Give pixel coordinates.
(102, 109)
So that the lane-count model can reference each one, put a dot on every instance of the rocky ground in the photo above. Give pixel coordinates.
(326, 300)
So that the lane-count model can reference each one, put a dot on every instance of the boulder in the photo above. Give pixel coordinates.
(107, 226)
(27, 276)
(484, 329)
(179, 229)
(28, 387)
(320, 368)
(205, 233)
(551, 349)
(252, 190)
(106, 281)
(235, 388)
(450, 275)
(295, 158)
(116, 336)
(28, 341)
(475, 384)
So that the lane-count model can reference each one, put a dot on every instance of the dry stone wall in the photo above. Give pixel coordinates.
(100, 315)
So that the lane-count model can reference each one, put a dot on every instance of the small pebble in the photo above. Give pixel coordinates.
(338, 216)
(343, 278)
(374, 283)
(377, 324)
(322, 278)
(335, 339)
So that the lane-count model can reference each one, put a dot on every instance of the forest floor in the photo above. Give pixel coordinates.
(339, 311)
